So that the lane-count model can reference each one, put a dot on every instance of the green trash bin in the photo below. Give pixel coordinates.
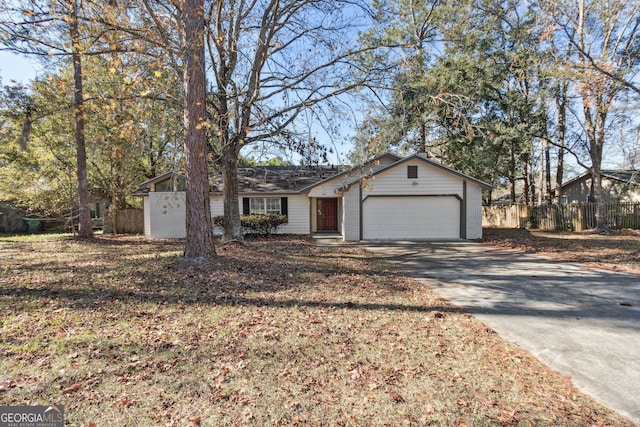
(32, 225)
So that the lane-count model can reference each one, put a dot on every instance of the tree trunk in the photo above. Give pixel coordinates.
(423, 137)
(561, 106)
(118, 194)
(594, 123)
(114, 219)
(532, 185)
(85, 227)
(596, 161)
(512, 174)
(526, 195)
(559, 175)
(547, 173)
(232, 226)
(512, 186)
(199, 242)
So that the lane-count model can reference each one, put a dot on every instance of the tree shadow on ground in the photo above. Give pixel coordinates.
(265, 272)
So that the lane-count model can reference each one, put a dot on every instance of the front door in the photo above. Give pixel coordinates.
(328, 214)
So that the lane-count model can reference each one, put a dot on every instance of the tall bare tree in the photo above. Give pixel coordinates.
(273, 60)
(604, 37)
(85, 228)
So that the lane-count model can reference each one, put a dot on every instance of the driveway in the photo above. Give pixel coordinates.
(583, 323)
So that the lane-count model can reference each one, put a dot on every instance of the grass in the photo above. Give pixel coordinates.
(46, 237)
(279, 332)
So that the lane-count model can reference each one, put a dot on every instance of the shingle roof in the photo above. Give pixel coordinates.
(277, 179)
(298, 179)
(159, 178)
(629, 176)
(262, 179)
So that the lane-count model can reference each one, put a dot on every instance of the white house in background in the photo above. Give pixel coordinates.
(389, 198)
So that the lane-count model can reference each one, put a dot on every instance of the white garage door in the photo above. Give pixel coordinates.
(411, 218)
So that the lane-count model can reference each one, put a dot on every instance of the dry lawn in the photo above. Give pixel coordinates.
(617, 250)
(123, 333)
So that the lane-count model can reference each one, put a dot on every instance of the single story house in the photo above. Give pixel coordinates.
(388, 198)
(617, 186)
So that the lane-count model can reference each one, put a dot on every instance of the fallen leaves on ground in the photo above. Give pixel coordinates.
(616, 250)
(122, 332)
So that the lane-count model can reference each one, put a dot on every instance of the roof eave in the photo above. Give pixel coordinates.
(307, 189)
(483, 185)
(158, 178)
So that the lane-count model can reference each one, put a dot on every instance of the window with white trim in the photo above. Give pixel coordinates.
(265, 205)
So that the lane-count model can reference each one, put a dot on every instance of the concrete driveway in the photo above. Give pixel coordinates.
(583, 323)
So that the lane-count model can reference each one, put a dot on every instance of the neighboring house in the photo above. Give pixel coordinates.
(617, 186)
(388, 198)
(11, 218)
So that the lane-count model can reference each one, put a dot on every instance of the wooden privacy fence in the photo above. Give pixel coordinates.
(511, 216)
(129, 221)
(575, 217)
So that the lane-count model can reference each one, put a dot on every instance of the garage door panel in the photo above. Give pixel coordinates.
(411, 218)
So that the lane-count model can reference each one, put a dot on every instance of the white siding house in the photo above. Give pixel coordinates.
(418, 199)
(388, 198)
(166, 213)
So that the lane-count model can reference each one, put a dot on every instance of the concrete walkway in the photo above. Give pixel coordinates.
(583, 323)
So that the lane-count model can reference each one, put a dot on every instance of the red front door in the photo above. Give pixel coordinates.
(329, 212)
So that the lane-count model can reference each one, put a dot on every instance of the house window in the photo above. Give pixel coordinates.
(94, 210)
(412, 172)
(264, 205)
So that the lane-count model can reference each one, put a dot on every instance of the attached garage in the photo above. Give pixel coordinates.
(412, 199)
(411, 217)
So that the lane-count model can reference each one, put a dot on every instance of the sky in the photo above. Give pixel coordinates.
(16, 67)
(23, 69)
